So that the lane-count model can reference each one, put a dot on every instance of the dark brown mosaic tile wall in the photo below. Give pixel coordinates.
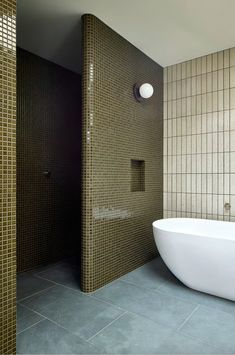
(7, 176)
(48, 139)
(117, 231)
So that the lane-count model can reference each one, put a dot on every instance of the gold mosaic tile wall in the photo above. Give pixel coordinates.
(48, 139)
(7, 176)
(117, 230)
(199, 137)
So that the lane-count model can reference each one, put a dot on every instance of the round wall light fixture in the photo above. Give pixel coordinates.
(143, 91)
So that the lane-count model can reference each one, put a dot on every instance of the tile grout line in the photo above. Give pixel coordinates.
(113, 321)
(203, 341)
(91, 294)
(67, 330)
(33, 294)
(189, 316)
(133, 313)
(66, 286)
(41, 320)
(143, 287)
(58, 265)
(52, 321)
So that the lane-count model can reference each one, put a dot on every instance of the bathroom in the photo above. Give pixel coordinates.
(101, 173)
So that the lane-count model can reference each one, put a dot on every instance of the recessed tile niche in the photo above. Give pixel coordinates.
(137, 175)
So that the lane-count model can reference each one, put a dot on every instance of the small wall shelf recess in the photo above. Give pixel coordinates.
(137, 175)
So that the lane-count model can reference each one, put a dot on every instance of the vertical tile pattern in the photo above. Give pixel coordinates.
(7, 175)
(48, 139)
(117, 231)
(199, 136)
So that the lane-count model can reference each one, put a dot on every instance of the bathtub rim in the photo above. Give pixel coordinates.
(160, 224)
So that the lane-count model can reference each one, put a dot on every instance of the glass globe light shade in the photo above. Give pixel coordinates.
(146, 90)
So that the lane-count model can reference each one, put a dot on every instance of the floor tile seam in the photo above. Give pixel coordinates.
(60, 284)
(136, 314)
(203, 341)
(176, 297)
(68, 330)
(35, 293)
(188, 317)
(60, 326)
(44, 278)
(52, 321)
(32, 325)
(37, 273)
(218, 310)
(33, 310)
(110, 303)
(80, 293)
(108, 325)
(197, 302)
(143, 287)
(158, 290)
(29, 309)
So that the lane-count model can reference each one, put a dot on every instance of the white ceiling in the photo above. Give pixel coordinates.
(168, 31)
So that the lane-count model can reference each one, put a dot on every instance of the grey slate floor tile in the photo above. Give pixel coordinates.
(26, 318)
(131, 334)
(147, 311)
(213, 327)
(180, 344)
(177, 289)
(62, 274)
(28, 284)
(156, 306)
(48, 338)
(79, 313)
(151, 275)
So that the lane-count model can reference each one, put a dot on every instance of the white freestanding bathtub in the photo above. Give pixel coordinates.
(200, 253)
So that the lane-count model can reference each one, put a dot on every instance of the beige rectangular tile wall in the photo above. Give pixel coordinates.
(199, 137)
(7, 176)
(119, 203)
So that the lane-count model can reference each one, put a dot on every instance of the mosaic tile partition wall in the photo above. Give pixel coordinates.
(117, 231)
(199, 137)
(7, 176)
(48, 139)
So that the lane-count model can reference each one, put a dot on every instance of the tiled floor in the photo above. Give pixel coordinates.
(145, 312)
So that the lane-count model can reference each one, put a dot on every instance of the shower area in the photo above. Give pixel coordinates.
(89, 160)
(48, 162)
(88, 182)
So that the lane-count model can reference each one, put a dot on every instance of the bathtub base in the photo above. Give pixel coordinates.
(201, 262)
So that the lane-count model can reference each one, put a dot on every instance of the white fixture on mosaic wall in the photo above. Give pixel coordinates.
(143, 91)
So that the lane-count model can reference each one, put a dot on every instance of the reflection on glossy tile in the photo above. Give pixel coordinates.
(48, 338)
(76, 312)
